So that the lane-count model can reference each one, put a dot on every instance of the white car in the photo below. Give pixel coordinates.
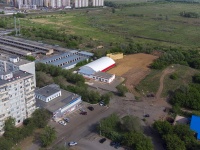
(72, 143)
(62, 122)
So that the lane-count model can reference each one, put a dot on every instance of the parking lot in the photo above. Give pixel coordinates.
(91, 142)
(80, 126)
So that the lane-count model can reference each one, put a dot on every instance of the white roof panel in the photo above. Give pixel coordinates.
(99, 64)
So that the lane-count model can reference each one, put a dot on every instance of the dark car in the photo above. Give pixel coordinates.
(102, 140)
(112, 143)
(91, 108)
(117, 145)
(83, 113)
(147, 115)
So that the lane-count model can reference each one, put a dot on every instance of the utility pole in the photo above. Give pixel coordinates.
(15, 26)
(19, 26)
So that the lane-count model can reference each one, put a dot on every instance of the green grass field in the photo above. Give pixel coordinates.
(155, 23)
(151, 83)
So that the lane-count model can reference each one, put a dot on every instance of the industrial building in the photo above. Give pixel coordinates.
(195, 125)
(17, 86)
(24, 46)
(97, 70)
(32, 4)
(59, 102)
(66, 60)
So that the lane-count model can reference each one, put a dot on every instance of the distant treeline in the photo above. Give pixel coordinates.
(120, 5)
(189, 14)
(185, 1)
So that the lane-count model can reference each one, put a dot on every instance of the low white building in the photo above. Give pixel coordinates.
(59, 102)
(97, 70)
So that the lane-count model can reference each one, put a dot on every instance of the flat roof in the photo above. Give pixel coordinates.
(65, 58)
(15, 50)
(103, 75)
(9, 38)
(16, 76)
(47, 91)
(86, 53)
(4, 57)
(75, 62)
(195, 125)
(59, 102)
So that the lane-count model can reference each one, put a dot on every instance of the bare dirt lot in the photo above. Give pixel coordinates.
(134, 68)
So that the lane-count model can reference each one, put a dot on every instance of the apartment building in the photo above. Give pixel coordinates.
(17, 89)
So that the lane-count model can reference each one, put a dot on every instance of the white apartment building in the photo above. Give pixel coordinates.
(17, 89)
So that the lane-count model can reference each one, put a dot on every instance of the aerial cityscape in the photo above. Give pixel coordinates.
(99, 75)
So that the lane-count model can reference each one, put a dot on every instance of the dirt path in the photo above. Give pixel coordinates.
(160, 89)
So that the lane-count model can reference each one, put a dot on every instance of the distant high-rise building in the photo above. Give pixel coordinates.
(17, 89)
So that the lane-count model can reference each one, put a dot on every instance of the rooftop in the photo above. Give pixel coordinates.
(195, 125)
(47, 91)
(103, 75)
(59, 102)
(16, 75)
(86, 53)
(5, 57)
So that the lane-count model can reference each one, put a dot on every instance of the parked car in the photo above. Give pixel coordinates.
(147, 115)
(90, 108)
(112, 143)
(83, 113)
(66, 119)
(72, 143)
(101, 103)
(62, 122)
(117, 145)
(102, 140)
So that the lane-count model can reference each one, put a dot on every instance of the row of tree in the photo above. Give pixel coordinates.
(126, 131)
(13, 135)
(177, 137)
(188, 96)
(72, 41)
(174, 56)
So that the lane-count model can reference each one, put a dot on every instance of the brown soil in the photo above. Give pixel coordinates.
(134, 68)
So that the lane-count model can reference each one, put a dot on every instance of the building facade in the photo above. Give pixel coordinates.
(56, 3)
(17, 97)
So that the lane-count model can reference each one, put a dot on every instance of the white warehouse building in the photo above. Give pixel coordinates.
(97, 70)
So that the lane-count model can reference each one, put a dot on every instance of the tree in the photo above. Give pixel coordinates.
(40, 117)
(137, 141)
(173, 142)
(106, 98)
(11, 132)
(48, 136)
(5, 144)
(30, 58)
(163, 127)
(196, 78)
(43, 79)
(130, 123)
(122, 90)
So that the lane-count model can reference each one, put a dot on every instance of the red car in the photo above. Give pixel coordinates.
(83, 113)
